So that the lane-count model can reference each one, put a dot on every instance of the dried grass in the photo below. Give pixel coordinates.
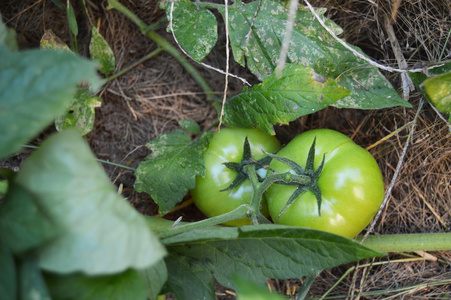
(151, 98)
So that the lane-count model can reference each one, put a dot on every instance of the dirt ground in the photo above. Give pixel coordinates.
(152, 97)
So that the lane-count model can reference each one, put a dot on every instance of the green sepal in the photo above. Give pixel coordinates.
(246, 160)
(311, 157)
(235, 183)
(291, 163)
(297, 192)
(299, 170)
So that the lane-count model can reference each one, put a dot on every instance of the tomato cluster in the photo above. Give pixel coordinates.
(351, 183)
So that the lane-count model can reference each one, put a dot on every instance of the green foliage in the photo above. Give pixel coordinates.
(194, 28)
(281, 100)
(155, 277)
(25, 221)
(248, 290)
(7, 37)
(81, 113)
(73, 26)
(8, 284)
(101, 52)
(94, 230)
(255, 253)
(257, 31)
(170, 171)
(72, 20)
(31, 281)
(311, 45)
(190, 126)
(123, 286)
(36, 85)
(3, 187)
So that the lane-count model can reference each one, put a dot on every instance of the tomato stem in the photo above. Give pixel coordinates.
(384, 243)
(239, 212)
(409, 242)
(261, 187)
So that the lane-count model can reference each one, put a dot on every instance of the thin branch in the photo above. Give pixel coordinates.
(407, 84)
(224, 99)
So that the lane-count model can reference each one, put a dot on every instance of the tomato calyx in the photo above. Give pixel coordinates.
(245, 161)
(309, 170)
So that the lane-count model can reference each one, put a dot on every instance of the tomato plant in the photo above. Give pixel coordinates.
(211, 194)
(351, 184)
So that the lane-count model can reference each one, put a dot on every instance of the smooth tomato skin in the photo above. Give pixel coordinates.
(351, 184)
(227, 146)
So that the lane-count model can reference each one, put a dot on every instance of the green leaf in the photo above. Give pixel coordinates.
(212, 232)
(190, 126)
(72, 20)
(8, 284)
(101, 232)
(154, 278)
(32, 284)
(3, 187)
(81, 113)
(195, 28)
(438, 90)
(50, 41)
(170, 171)
(36, 86)
(101, 52)
(7, 37)
(248, 290)
(259, 252)
(299, 91)
(311, 45)
(24, 223)
(124, 286)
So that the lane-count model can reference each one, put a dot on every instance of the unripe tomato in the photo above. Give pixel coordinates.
(351, 184)
(227, 146)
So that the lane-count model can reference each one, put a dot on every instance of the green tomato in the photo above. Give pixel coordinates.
(227, 146)
(351, 185)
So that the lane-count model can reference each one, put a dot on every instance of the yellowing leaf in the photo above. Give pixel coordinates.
(438, 89)
(101, 52)
(81, 113)
(50, 41)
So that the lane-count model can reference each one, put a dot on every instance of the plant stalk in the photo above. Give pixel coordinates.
(408, 242)
(238, 213)
(384, 243)
(134, 65)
